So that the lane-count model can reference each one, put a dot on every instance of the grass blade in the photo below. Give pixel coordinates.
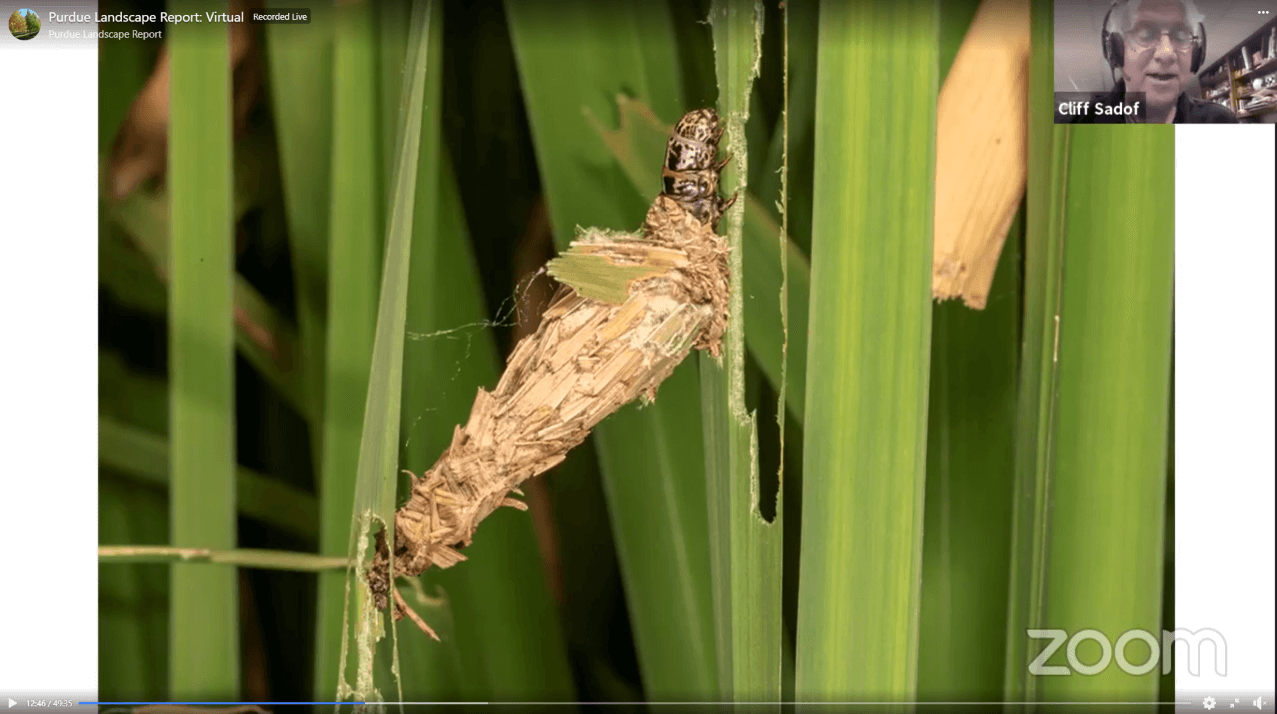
(651, 458)
(970, 481)
(745, 556)
(204, 625)
(243, 557)
(1035, 409)
(970, 465)
(1109, 443)
(379, 442)
(865, 439)
(302, 107)
(355, 249)
(132, 600)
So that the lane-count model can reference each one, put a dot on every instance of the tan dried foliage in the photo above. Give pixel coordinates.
(586, 360)
(981, 151)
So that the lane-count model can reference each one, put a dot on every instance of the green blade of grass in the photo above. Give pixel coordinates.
(1048, 158)
(241, 557)
(955, 18)
(783, 421)
(432, 670)
(1166, 689)
(441, 276)
(379, 441)
(392, 46)
(970, 481)
(868, 353)
(132, 600)
(145, 455)
(745, 557)
(355, 249)
(651, 458)
(204, 624)
(302, 106)
(970, 469)
(1109, 443)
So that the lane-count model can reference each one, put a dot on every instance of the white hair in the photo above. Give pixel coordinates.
(1122, 18)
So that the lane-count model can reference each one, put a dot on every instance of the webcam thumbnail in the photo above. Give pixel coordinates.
(1150, 61)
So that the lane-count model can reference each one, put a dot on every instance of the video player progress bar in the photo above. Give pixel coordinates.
(541, 704)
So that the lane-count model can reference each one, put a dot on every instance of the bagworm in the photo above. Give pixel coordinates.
(630, 308)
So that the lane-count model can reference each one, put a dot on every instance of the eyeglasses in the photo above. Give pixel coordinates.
(1145, 37)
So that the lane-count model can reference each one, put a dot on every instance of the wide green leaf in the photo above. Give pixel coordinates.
(868, 353)
(1035, 400)
(1109, 439)
(204, 619)
(970, 468)
(354, 260)
(745, 553)
(303, 121)
(374, 502)
(970, 482)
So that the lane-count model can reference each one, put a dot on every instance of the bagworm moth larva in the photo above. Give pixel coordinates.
(631, 308)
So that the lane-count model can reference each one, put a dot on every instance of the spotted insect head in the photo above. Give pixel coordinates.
(691, 174)
(694, 142)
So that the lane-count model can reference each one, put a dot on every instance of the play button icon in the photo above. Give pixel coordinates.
(11, 702)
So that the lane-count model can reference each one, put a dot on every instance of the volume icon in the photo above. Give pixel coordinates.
(1259, 703)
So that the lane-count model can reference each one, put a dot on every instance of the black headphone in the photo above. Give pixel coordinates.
(1114, 47)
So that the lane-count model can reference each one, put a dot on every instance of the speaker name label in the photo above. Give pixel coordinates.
(1072, 107)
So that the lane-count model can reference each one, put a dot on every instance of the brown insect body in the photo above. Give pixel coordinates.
(588, 358)
(690, 174)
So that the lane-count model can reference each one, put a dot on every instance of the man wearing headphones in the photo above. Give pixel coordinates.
(1154, 44)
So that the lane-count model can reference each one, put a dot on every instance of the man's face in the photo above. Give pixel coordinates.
(1158, 52)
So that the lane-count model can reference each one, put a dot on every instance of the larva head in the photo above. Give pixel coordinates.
(700, 125)
(690, 174)
(694, 141)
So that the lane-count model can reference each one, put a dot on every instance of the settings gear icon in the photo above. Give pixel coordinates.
(1208, 703)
